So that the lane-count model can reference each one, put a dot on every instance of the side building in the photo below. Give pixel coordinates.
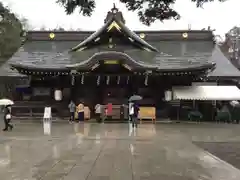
(110, 65)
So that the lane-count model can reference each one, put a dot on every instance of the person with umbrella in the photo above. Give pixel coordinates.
(134, 109)
(134, 116)
(7, 118)
(7, 103)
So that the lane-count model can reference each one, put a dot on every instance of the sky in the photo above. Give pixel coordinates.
(220, 16)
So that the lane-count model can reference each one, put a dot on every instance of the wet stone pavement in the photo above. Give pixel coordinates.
(117, 152)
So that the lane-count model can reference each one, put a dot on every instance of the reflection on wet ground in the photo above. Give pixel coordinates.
(114, 152)
(227, 151)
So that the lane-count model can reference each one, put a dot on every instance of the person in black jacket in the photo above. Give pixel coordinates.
(135, 115)
(7, 118)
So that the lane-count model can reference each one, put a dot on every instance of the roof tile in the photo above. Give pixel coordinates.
(172, 55)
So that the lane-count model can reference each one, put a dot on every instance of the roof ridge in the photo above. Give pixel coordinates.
(132, 36)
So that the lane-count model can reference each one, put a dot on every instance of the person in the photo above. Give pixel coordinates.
(98, 112)
(122, 113)
(227, 113)
(109, 111)
(135, 115)
(72, 109)
(80, 111)
(7, 118)
(130, 111)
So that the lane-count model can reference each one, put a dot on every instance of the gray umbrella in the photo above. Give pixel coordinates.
(135, 98)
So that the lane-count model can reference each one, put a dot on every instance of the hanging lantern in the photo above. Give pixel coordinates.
(146, 80)
(82, 79)
(58, 95)
(108, 80)
(168, 95)
(73, 80)
(118, 80)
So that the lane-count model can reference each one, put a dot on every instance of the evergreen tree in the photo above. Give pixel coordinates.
(11, 30)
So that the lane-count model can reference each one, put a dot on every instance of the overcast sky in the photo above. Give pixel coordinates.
(220, 16)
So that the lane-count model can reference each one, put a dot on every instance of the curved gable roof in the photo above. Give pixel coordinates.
(114, 22)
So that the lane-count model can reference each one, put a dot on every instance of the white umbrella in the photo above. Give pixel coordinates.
(5, 102)
(234, 103)
(135, 98)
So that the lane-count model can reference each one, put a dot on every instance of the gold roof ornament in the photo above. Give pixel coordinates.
(51, 35)
(111, 62)
(113, 25)
(185, 35)
(142, 35)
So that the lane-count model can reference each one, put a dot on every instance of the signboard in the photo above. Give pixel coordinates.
(47, 128)
(47, 120)
(41, 91)
(111, 62)
(23, 82)
(47, 113)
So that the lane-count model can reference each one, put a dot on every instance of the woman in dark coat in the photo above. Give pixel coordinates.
(7, 118)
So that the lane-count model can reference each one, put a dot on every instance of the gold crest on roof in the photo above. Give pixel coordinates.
(52, 35)
(185, 35)
(113, 25)
(142, 35)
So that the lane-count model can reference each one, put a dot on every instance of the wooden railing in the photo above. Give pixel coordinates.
(36, 109)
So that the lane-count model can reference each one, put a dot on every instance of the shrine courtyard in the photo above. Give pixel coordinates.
(116, 152)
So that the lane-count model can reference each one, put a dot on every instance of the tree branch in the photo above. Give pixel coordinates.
(148, 11)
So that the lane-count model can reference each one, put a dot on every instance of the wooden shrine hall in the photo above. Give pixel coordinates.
(111, 64)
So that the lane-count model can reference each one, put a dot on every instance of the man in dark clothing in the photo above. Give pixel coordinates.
(7, 118)
(135, 115)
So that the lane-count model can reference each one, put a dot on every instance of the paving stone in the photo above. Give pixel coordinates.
(114, 152)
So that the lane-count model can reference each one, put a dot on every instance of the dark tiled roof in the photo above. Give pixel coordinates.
(5, 70)
(44, 54)
(173, 55)
(224, 67)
